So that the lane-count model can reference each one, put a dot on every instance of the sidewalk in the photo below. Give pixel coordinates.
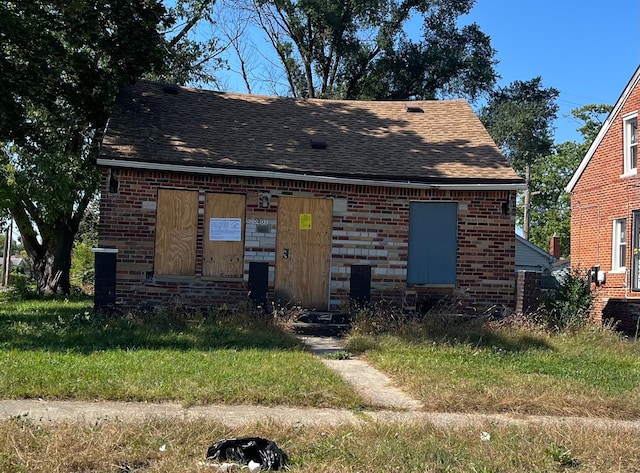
(41, 411)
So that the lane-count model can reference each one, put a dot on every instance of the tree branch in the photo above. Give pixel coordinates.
(193, 21)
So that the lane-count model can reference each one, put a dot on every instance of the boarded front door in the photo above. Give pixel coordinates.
(303, 251)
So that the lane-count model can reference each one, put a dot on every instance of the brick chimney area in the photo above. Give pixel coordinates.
(555, 247)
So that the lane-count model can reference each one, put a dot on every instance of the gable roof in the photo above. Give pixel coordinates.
(531, 255)
(635, 79)
(184, 129)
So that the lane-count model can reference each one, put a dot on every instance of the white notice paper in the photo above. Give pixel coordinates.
(225, 229)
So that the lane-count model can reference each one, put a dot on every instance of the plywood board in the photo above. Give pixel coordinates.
(303, 251)
(223, 247)
(176, 232)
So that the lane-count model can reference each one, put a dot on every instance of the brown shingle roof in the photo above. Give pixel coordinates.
(364, 140)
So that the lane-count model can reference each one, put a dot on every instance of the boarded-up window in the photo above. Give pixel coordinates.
(433, 230)
(223, 254)
(176, 232)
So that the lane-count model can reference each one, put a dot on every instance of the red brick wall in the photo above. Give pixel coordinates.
(370, 226)
(529, 291)
(600, 196)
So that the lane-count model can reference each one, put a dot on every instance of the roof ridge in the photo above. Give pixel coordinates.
(300, 99)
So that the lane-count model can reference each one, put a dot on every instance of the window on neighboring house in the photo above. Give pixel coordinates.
(631, 143)
(433, 235)
(177, 234)
(635, 252)
(618, 262)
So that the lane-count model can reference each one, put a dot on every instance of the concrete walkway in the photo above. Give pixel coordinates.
(375, 387)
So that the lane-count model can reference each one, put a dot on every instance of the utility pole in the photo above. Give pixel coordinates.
(6, 257)
(528, 195)
(526, 225)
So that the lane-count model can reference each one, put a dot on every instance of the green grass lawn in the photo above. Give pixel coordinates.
(60, 349)
(504, 369)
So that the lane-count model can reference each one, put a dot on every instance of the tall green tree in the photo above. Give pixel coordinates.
(61, 63)
(356, 49)
(519, 118)
(591, 118)
(550, 203)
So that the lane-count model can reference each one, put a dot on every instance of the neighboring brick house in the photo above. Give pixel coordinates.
(210, 197)
(605, 212)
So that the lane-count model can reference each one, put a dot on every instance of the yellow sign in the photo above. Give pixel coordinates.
(305, 221)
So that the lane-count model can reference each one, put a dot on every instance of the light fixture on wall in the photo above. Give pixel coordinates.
(506, 206)
(265, 200)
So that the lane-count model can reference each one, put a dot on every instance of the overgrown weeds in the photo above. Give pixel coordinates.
(458, 360)
(172, 446)
(449, 319)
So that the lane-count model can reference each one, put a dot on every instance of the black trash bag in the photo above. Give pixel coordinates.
(246, 449)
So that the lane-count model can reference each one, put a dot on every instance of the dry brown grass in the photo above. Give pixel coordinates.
(509, 366)
(136, 446)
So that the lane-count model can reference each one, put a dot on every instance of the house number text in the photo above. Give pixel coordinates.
(257, 221)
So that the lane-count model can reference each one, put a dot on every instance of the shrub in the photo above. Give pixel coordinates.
(569, 306)
(82, 271)
(20, 285)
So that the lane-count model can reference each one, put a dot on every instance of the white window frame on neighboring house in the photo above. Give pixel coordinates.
(630, 126)
(635, 252)
(619, 246)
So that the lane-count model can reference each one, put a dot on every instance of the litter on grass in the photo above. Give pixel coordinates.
(251, 453)
(227, 467)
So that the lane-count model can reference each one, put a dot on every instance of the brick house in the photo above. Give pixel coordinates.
(210, 197)
(605, 212)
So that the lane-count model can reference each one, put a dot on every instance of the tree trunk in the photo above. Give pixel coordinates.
(49, 255)
(52, 266)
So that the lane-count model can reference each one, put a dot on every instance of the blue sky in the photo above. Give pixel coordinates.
(586, 49)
